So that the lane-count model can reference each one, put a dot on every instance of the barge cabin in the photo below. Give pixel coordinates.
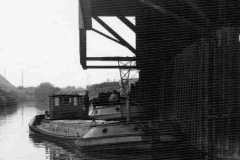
(66, 105)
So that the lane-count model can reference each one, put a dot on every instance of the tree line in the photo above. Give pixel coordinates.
(8, 97)
(44, 90)
(104, 87)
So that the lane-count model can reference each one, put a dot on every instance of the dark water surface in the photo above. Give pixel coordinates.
(17, 144)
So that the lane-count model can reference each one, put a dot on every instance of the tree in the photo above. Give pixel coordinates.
(44, 90)
(8, 97)
(69, 88)
(20, 87)
(72, 89)
(105, 87)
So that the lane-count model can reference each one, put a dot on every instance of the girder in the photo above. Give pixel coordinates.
(199, 17)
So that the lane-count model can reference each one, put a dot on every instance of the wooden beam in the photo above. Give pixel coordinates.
(111, 58)
(85, 19)
(106, 36)
(83, 47)
(160, 7)
(127, 23)
(110, 67)
(195, 6)
(114, 7)
(117, 36)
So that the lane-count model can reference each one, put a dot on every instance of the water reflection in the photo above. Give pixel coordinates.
(14, 140)
(17, 144)
(60, 150)
(7, 111)
(112, 155)
(42, 106)
(54, 150)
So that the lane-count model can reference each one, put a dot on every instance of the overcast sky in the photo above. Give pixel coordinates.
(41, 37)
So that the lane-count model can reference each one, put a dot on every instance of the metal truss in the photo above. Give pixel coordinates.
(125, 70)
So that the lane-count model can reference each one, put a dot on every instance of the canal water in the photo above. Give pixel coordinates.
(17, 144)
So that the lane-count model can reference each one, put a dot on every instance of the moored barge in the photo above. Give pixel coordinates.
(67, 121)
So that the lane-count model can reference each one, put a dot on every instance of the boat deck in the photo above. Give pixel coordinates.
(88, 122)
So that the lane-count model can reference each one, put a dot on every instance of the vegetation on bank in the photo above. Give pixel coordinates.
(44, 90)
(41, 92)
(8, 98)
(105, 87)
(11, 95)
(8, 92)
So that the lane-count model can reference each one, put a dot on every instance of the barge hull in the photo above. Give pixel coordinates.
(123, 142)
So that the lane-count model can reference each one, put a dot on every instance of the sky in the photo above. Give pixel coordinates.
(41, 38)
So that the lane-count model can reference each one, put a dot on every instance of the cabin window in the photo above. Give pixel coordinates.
(75, 101)
(70, 100)
(61, 100)
(56, 101)
(65, 100)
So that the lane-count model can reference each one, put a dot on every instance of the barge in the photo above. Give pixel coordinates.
(98, 129)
